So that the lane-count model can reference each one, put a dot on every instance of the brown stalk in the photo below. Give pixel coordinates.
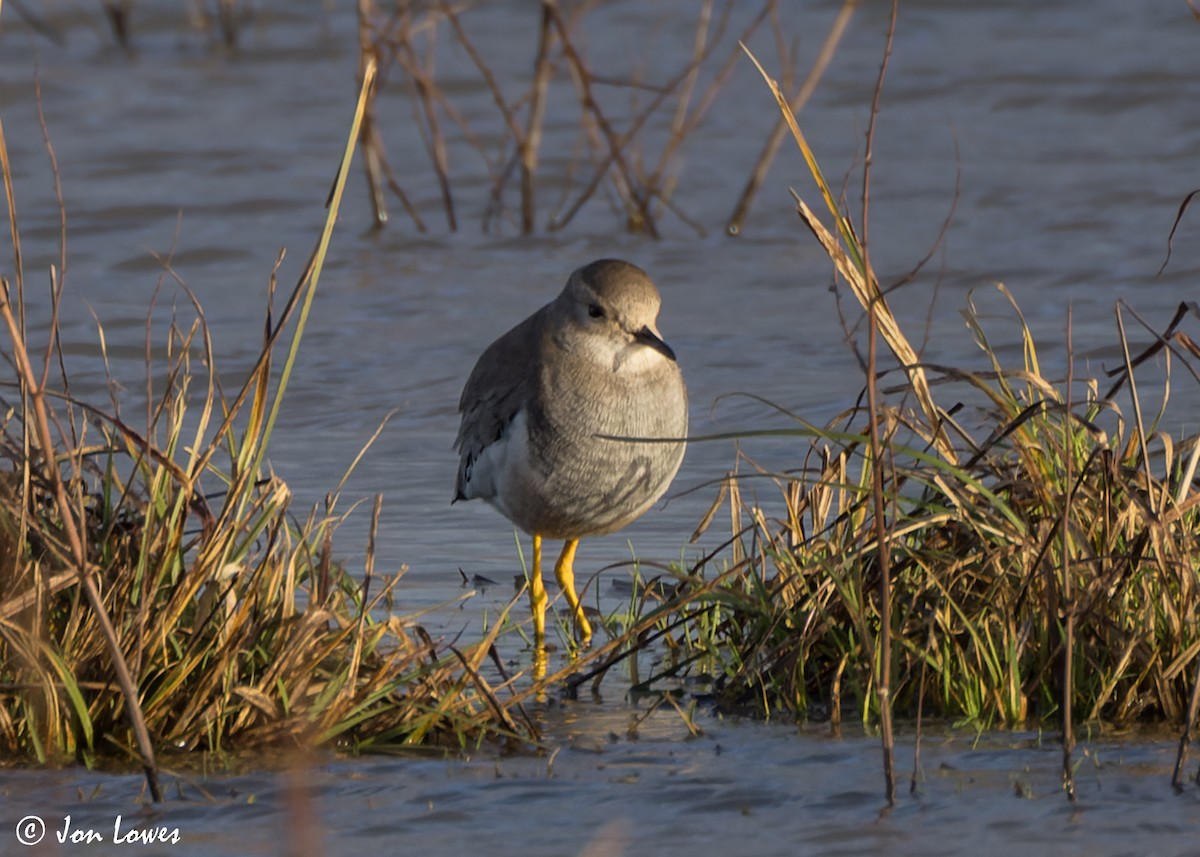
(148, 343)
(19, 273)
(1137, 412)
(882, 534)
(368, 572)
(375, 162)
(678, 121)
(528, 140)
(427, 97)
(227, 22)
(531, 142)
(45, 588)
(661, 93)
(10, 198)
(468, 133)
(435, 141)
(603, 165)
(633, 200)
(118, 12)
(1068, 599)
(488, 78)
(689, 123)
(368, 140)
(53, 345)
(1183, 206)
(771, 147)
(1185, 739)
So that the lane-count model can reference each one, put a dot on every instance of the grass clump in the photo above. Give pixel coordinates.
(978, 548)
(1024, 557)
(238, 627)
(156, 589)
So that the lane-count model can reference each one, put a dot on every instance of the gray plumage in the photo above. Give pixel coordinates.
(544, 401)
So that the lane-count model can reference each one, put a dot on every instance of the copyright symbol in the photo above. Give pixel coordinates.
(30, 830)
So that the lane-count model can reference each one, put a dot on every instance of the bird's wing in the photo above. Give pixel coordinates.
(503, 378)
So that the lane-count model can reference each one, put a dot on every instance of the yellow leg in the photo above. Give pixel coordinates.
(566, 580)
(537, 594)
(540, 659)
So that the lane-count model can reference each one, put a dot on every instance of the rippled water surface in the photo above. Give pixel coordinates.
(1063, 137)
(737, 789)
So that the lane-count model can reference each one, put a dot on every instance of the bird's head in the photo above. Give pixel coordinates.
(615, 305)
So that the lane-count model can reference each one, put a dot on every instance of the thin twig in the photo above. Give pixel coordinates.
(426, 90)
(634, 200)
(882, 534)
(1185, 739)
(1068, 599)
(685, 95)
(368, 140)
(1183, 206)
(530, 143)
(118, 12)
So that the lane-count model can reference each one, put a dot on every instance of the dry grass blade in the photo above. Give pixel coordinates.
(1183, 207)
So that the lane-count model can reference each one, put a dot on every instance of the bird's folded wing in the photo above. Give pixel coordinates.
(501, 382)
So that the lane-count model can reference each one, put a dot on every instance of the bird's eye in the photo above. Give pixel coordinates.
(595, 311)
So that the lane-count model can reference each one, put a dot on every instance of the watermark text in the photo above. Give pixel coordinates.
(32, 829)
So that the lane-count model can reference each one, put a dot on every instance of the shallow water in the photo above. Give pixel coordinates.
(1073, 138)
(738, 788)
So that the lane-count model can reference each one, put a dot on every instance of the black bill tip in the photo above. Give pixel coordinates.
(649, 338)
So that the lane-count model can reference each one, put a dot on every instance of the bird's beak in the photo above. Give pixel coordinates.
(650, 338)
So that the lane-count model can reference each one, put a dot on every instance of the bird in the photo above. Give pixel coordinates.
(574, 422)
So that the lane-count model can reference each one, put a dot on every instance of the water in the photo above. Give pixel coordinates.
(1071, 138)
(736, 789)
